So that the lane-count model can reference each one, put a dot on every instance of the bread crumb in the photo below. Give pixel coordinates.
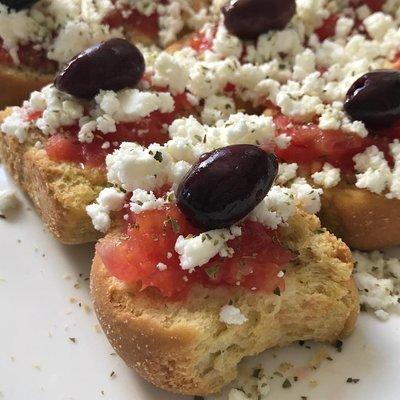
(87, 308)
(319, 356)
(285, 366)
(313, 384)
(250, 385)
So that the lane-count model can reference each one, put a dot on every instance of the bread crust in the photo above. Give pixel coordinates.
(364, 220)
(16, 84)
(184, 348)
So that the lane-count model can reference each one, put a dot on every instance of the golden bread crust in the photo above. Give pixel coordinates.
(16, 84)
(184, 348)
(364, 220)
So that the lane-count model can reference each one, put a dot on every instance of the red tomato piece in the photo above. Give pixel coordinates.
(327, 29)
(64, 148)
(200, 43)
(135, 21)
(151, 235)
(309, 144)
(374, 5)
(145, 132)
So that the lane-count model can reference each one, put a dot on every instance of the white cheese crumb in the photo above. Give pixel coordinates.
(133, 166)
(141, 200)
(170, 73)
(307, 196)
(276, 208)
(373, 170)
(16, 124)
(286, 173)
(231, 315)
(109, 199)
(328, 177)
(378, 282)
(195, 251)
(377, 24)
(8, 200)
(382, 315)
(161, 266)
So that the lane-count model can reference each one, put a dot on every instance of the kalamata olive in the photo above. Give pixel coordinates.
(111, 65)
(225, 185)
(374, 98)
(18, 4)
(248, 19)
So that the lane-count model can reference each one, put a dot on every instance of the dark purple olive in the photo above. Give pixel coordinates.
(111, 65)
(225, 185)
(18, 5)
(374, 98)
(248, 19)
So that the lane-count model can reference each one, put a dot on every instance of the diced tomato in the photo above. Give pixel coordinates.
(5, 57)
(396, 62)
(200, 43)
(33, 116)
(145, 132)
(374, 5)
(136, 21)
(64, 148)
(34, 59)
(327, 29)
(309, 144)
(150, 239)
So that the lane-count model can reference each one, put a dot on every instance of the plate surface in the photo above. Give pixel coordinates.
(51, 347)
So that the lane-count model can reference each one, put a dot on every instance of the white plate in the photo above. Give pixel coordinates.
(38, 360)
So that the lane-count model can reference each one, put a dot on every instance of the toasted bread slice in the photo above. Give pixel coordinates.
(364, 220)
(17, 83)
(183, 347)
(59, 191)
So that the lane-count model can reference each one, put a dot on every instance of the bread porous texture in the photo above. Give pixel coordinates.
(59, 191)
(182, 346)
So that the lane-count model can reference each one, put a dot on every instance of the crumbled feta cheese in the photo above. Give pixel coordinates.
(170, 73)
(16, 124)
(109, 199)
(373, 170)
(225, 44)
(328, 177)
(286, 173)
(231, 315)
(198, 250)
(142, 200)
(100, 217)
(377, 24)
(276, 208)
(217, 108)
(133, 166)
(343, 27)
(161, 266)
(8, 200)
(378, 281)
(307, 196)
